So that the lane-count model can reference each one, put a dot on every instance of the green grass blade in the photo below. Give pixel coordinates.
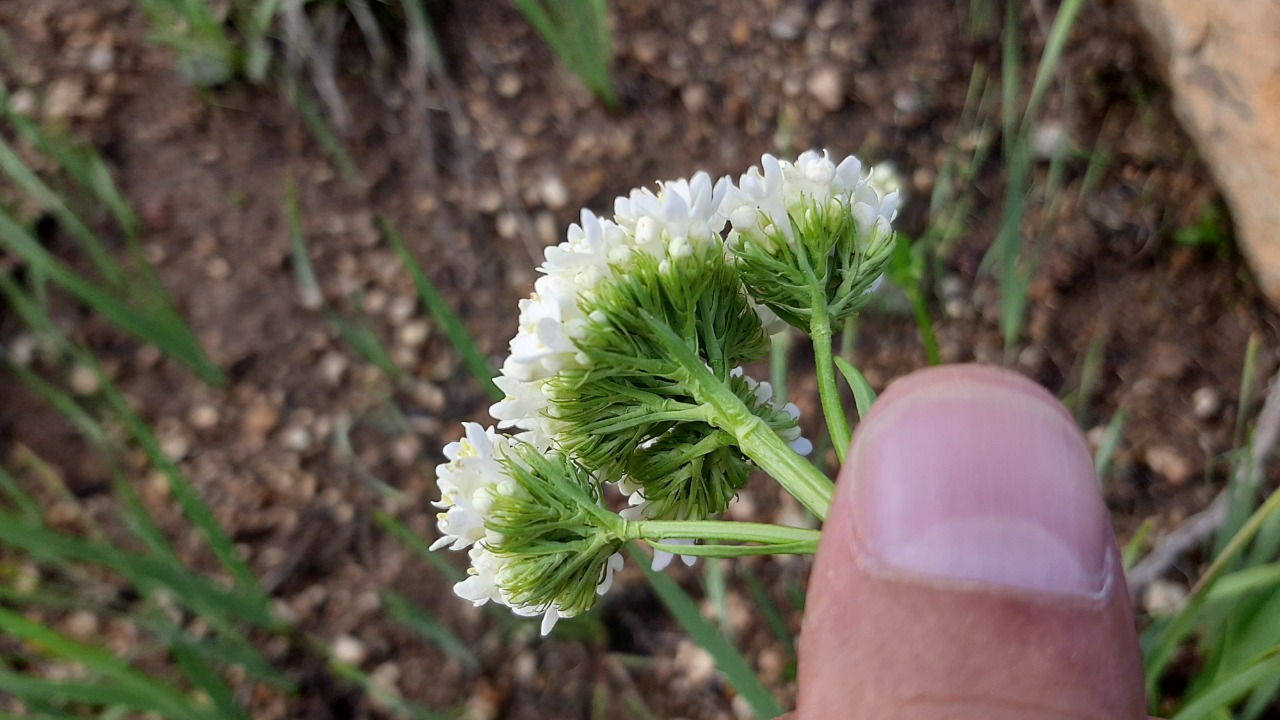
(1229, 690)
(224, 648)
(134, 687)
(329, 142)
(1233, 585)
(153, 324)
(407, 613)
(192, 506)
(1165, 642)
(727, 658)
(26, 505)
(359, 334)
(714, 582)
(100, 692)
(769, 609)
(459, 337)
(98, 254)
(418, 545)
(203, 676)
(200, 594)
(1058, 34)
(1110, 442)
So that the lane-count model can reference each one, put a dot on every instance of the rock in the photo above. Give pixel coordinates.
(1222, 62)
(826, 85)
(1205, 402)
(509, 85)
(203, 416)
(1163, 597)
(64, 97)
(789, 23)
(1167, 462)
(83, 380)
(348, 650)
(740, 33)
(553, 192)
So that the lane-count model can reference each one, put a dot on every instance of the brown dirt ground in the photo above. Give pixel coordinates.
(296, 452)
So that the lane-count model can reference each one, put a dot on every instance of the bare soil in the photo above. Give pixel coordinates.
(486, 166)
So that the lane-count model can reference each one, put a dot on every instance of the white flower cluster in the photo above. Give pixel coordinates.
(668, 224)
(765, 201)
(681, 217)
(468, 483)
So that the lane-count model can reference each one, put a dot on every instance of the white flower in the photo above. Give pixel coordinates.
(682, 214)
(465, 482)
(525, 406)
(763, 392)
(767, 201)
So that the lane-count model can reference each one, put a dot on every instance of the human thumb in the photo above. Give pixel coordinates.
(967, 568)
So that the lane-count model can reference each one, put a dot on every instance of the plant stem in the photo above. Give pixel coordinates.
(820, 334)
(719, 530)
(925, 324)
(755, 438)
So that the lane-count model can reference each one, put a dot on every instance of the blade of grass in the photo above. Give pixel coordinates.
(769, 609)
(1231, 689)
(454, 330)
(201, 594)
(26, 505)
(407, 613)
(152, 324)
(203, 676)
(713, 579)
(1110, 442)
(1132, 548)
(132, 686)
(727, 658)
(418, 545)
(1172, 636)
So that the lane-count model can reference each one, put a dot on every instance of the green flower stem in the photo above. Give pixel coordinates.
(801, 547)
(756, 439)
(820, 334)
(720, 530)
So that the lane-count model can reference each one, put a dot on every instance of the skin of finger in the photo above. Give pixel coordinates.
(881, 643)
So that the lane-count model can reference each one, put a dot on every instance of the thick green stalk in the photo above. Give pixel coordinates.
(755, 438)
(824, 365)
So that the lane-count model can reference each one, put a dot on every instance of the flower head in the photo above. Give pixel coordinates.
(538, 538)
(810, 231)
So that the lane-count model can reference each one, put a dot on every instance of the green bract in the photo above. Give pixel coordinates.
(548, 527)
(832, 260)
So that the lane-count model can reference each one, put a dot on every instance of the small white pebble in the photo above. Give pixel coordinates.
(1205, 402)
(348, 650)
(83, 380)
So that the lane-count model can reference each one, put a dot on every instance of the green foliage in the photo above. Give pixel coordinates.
(1013, 256)
(579, 34)
(727, 658)
(1233, 611)
(129, 295)
(1211, 230)
(208, 53)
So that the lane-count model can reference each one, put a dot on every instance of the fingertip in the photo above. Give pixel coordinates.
(968, 555)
